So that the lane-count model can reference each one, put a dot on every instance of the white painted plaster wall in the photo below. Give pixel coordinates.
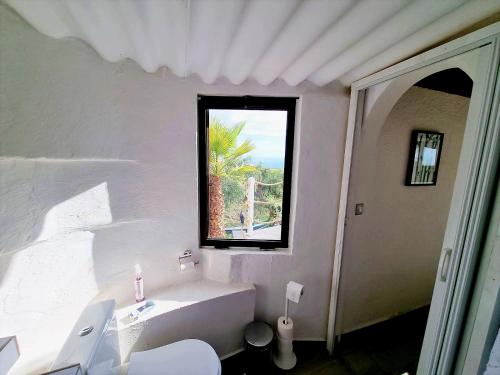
(98, 171)
(391, 252)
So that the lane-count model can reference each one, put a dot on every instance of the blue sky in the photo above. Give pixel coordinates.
(265, 129)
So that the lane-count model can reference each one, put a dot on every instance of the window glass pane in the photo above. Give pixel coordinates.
(246, 169)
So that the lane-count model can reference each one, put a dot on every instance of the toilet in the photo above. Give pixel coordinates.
(189, 357)
(93, 345)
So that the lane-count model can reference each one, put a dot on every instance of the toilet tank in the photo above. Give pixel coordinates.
(92, 334)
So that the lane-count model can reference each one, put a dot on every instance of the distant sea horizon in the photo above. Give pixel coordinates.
(269, 162)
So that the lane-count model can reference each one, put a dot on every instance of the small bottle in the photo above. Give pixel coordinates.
(139, 284)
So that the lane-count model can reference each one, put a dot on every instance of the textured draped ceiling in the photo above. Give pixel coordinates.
(294, 40)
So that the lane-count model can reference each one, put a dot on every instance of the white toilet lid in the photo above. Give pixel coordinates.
(186, 357)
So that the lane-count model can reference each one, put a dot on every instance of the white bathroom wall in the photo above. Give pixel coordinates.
(98, 171)
(391, 251)
(315, 217)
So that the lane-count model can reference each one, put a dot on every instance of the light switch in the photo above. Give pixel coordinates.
(358, 210)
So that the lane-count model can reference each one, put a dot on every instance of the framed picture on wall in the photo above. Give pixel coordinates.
(423, 161)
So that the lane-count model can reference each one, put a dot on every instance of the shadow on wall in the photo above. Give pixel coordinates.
(46, 199)
(89, 184)
(75, 230)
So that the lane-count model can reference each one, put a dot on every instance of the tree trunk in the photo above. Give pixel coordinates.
(215, 208)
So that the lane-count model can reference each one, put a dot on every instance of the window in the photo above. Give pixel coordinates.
(245, 165)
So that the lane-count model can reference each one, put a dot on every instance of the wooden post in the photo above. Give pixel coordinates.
(250, 203)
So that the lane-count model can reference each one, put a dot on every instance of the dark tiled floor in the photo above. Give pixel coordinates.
(388, 348)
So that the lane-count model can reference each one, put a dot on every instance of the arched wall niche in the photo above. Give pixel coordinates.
(381, 99)
(452, 81)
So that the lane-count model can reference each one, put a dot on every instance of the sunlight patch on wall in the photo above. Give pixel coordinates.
(84, 210)
(47, 284)
(43, 291)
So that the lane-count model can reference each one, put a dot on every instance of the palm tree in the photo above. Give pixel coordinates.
(226, 159)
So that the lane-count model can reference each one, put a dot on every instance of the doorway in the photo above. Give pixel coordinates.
(372, 100)
(395, 230)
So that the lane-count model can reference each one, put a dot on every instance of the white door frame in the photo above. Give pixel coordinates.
(479, 183)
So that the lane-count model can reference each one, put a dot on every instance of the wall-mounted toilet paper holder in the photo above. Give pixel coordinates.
(187, 257)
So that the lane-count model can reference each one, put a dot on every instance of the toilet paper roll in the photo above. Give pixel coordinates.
(187, 266)
(285, 331)
(294, 291)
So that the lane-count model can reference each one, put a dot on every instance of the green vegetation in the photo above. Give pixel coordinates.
(226, 162)
(226, 156)
(230, 168)
(234, 192)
